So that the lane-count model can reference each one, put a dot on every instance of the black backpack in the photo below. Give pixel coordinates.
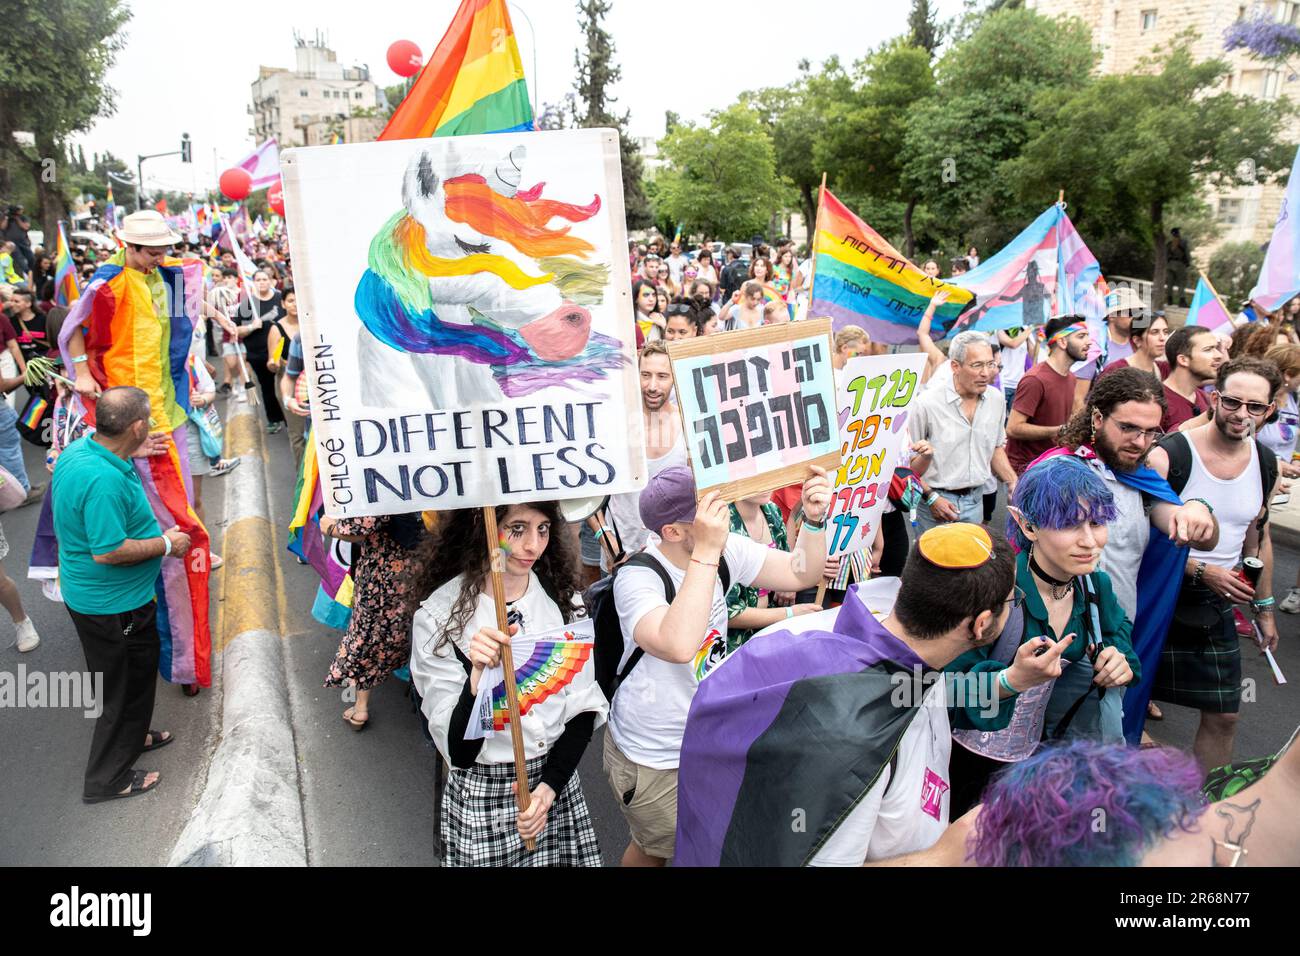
(1179, 449)
(599, 599)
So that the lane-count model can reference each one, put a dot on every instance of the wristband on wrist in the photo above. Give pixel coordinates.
(1264, 604)
(789, 613)
(707, 564)
(1208, 507)
(1006, 684)
(814, 526)
(78, 359)
(167, 545)
(1199, 572)
(931, 498)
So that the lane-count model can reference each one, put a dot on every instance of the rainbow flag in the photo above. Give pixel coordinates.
(110, 210)
(137, 330)
(35, 412)
(1207, 310)
(472, 83)
(66, 289)
(860, 279)
(1279, 277)
(332, 560)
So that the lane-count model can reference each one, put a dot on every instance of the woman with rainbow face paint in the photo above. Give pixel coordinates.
(455, 640)
(1057, 519)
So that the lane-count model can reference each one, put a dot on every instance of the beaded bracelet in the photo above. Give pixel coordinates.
(1208, 507)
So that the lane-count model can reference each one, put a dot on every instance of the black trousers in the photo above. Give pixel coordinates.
(897, 544)
(266, 379)
(125, 649)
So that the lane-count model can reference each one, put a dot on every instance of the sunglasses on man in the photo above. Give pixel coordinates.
(1230, 404)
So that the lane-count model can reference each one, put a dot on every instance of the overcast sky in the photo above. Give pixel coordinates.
(689, 57)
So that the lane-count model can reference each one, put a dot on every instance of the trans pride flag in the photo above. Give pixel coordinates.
(66, 290)
(330, 559)
(1044, 272)
(473, 82)
(137, 330)
(860, 279)
(1206, 310)
(1279, 278)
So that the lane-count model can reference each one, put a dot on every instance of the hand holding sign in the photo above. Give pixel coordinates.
(816, 495)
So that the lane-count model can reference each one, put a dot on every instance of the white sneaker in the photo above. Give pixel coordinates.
(216, 561)
(27, 636)
(241, 397)
(1291, 603)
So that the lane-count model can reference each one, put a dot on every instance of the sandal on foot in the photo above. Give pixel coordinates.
(158, 739)
(1154, 712)
(350, 716)
(137, 787)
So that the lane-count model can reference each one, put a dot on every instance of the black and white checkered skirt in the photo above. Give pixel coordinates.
(479, 813)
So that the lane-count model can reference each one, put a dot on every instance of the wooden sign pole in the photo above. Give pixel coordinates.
(507, 663)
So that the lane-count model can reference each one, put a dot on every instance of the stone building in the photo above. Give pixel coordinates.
(315, 101)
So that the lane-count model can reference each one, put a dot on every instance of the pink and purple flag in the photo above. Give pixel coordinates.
(263, 164)
(1279, 278)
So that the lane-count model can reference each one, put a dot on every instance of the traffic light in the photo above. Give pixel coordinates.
(185, 148)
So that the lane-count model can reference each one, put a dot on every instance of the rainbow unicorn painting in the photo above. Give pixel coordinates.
(476, 291)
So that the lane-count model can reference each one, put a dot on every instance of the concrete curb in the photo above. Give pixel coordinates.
(250, 811)
(1284, 522)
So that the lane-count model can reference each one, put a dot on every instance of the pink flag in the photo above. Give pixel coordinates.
(263, 164)
(1279, 279)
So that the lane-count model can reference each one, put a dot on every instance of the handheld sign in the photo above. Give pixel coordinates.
(757, 406)
(874, 395)
(466, 320)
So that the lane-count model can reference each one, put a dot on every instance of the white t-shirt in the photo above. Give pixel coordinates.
(1129, 533)
(1013, 364)
(648, 716)
(675, 266)
(885, 825)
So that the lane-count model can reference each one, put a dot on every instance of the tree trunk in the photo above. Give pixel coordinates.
(808, 203)
(51, 205)
(1158, 266)
(909, 240)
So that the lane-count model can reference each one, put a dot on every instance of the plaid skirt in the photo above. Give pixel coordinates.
(479, 813)
(1201, 663)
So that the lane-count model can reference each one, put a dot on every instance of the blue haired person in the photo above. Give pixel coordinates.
(1058, 521)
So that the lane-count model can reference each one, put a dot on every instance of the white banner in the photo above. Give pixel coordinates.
(466, 320)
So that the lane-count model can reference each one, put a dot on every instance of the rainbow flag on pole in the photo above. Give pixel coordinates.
(1207, 309)
(860, 279)
(473, 82)
(1279, 278)
(332, 560)
(66, 288)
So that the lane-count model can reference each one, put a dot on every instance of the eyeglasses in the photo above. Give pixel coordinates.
(1133, 431)
(1230, 404)
(677, 310)
(1017, 597)
(981, 366)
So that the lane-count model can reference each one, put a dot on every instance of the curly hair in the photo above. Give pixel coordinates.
(1111, 390)
(1254, 340)
(457, 546)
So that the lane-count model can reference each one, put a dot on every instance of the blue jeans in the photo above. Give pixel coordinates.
(11, 446)
(970, 507)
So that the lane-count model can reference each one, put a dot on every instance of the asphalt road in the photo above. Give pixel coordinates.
(368, 796)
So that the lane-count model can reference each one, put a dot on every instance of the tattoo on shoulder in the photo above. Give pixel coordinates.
(1241, 820)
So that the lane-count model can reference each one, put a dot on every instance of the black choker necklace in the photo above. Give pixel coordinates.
(1058, 587)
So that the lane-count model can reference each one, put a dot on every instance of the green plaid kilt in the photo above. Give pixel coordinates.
(1201, 663)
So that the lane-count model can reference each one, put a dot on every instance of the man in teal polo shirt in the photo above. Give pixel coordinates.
(110, 551)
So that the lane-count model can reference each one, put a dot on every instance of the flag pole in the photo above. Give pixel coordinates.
(507, 662)
(817, 225)
(1215, 292)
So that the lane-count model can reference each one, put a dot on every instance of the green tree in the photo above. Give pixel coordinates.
(1233, 270)
(923, 27)
(1131, 146)
(957, 141)
(721, 179)
(595, 75)
(865, 132)
(53, 60)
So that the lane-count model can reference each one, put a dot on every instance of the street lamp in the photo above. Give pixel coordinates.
(533, 31)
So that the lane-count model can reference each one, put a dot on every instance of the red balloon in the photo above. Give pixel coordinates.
(404, 58)
(236, 183)
(275, 199)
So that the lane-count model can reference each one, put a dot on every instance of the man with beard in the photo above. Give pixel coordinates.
(1046, 397)
(1113, 434)
(1222, 463)
(1194, 359)
(663, 447)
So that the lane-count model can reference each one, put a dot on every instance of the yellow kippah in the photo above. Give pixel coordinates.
(956, 546)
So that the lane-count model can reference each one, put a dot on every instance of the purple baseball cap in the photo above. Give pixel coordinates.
(668, 498)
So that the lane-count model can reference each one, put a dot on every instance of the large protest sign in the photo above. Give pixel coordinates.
(757, 406)
(466, 320)
(874, 395)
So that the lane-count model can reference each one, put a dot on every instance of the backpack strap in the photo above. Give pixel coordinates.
(1179, 450)
(1267, 474)
(643, 560)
